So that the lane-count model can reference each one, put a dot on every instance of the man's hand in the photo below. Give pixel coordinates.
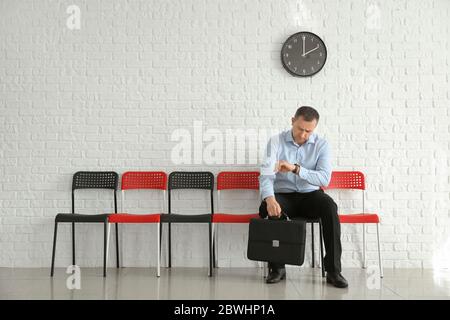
(284, 166)
(273, 207)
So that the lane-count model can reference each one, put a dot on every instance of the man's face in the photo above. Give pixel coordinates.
(301, 129)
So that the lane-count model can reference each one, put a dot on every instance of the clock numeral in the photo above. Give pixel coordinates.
(312, 39)
(286, 55)
(295, 40)
(320, 54)
(304, 71)
(289, 47)
(295, 68)
(289, 63)
(312, 68)
(318, 62)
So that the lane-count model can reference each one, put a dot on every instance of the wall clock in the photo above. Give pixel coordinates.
(303, 54)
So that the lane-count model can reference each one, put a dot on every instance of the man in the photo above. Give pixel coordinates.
(297, 163)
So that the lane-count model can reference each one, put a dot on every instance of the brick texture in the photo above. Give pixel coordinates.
(110, 96)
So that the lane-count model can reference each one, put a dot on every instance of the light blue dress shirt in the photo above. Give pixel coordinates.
(313, 156)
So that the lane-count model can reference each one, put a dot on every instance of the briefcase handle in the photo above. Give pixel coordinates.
(280, 218)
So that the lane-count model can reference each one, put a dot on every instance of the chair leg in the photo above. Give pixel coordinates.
(312, 244)
(73, 243)
(158, 259)
(379, 253)
(105, 244)
(364, 246)
(215, 245)
(160, 239)
(170, 246)
(117, 246)
(53, 250)
(321, 249)
(108, 233)
(210, 250)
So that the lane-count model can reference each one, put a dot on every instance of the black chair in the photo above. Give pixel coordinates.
(89, 180)
(190, 180)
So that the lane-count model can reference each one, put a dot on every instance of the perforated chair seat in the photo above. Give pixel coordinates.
(81, 218)
(184, 218)
(359, 218)
(233, 218)
(134, 218)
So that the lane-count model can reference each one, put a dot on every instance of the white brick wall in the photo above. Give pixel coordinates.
(110, 95)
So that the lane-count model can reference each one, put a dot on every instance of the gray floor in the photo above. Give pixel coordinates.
(228, 283)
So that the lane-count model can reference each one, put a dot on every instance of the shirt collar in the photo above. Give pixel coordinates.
(288, 137)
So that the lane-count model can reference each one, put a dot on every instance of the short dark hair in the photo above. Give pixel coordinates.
(308, 113)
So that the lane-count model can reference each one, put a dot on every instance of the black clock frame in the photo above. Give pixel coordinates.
(301, 75)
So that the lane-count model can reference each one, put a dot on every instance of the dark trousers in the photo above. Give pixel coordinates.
(316, 204)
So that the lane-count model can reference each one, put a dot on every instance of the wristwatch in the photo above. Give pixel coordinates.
(296, 169)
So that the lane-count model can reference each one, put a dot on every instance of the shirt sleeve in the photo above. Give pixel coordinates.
(267, 172)
(321, 176)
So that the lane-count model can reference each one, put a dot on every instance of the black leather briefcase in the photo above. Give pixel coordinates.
(279, 241)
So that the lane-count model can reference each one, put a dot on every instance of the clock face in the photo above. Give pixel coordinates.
(303, 54)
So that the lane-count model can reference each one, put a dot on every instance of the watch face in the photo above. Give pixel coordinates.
(303, 54)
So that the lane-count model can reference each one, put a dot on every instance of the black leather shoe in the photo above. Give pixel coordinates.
(276, 275)
(337, 280)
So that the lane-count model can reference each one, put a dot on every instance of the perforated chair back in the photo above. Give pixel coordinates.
(235, 180)
(144, 180)
(95, 180)
(191, 180)
(346, 180)
(227, 180)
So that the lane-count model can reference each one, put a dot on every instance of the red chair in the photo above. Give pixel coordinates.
(135, 180)
(233, 180)
(355, 180)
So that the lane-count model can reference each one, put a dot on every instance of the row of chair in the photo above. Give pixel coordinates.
(158, 180)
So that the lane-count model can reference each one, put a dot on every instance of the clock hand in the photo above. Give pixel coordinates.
(303, 38)
(310, 51)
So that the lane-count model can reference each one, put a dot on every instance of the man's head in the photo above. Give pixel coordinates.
(303, 123)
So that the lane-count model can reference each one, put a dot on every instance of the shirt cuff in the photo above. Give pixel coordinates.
(266, 194)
